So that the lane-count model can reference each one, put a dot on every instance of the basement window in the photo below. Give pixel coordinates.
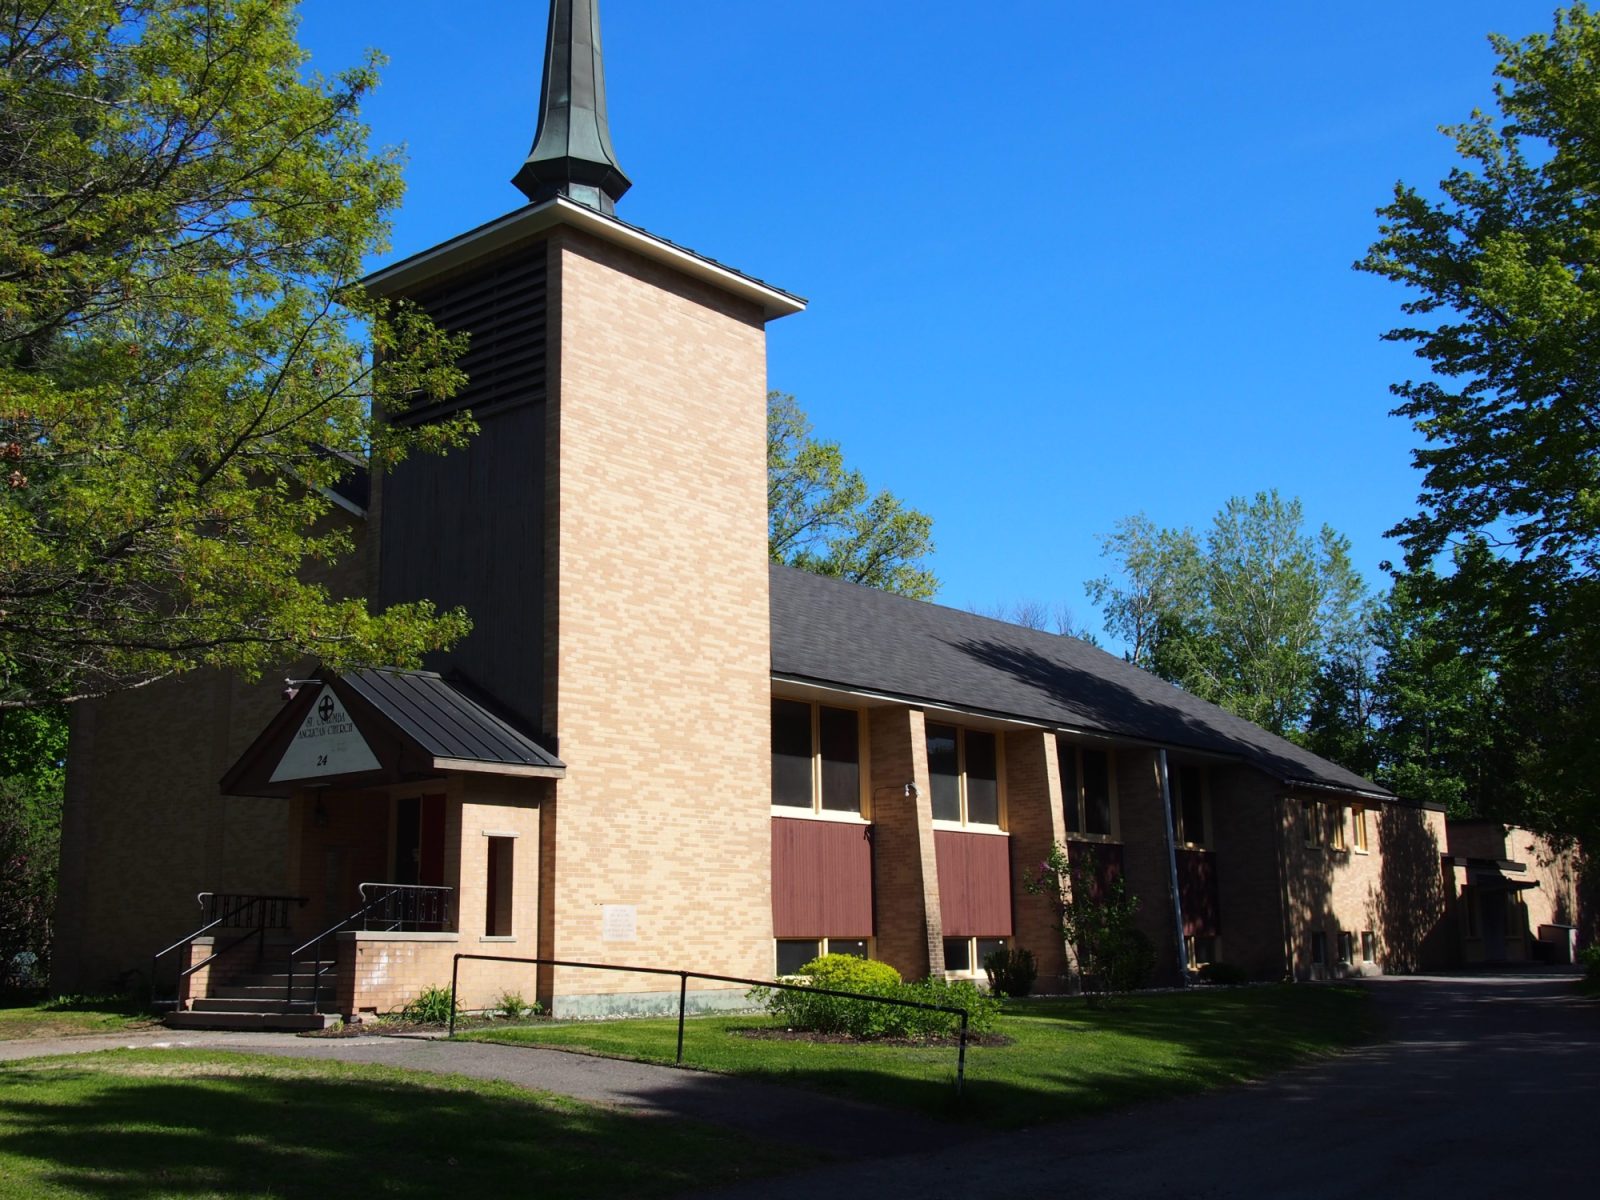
(964, 956)
(794, 953)
(497, 890)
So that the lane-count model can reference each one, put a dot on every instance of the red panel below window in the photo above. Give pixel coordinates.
(1197, 888)
(821, 879)
(974, 883)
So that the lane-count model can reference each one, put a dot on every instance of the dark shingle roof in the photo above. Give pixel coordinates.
(829, 632)
(444, 721)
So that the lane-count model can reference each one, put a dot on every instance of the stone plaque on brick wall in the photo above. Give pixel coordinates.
(327, 743)
(619, 923)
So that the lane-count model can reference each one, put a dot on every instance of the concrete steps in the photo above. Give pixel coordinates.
(260, 999)
(286, 1022)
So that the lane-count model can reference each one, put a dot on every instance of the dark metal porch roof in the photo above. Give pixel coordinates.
(440, 718)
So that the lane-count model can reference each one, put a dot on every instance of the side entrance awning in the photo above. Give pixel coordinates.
(372, 727)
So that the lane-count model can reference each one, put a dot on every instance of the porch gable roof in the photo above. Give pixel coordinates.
(417, 724)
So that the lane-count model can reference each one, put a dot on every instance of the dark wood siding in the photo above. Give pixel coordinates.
(821, 879)
(467, 528)
(1197, 889)
(974, 883)
(503, 307)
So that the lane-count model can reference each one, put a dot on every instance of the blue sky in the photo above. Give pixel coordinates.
(1066, 262)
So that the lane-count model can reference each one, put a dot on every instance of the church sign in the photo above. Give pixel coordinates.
(327, 743)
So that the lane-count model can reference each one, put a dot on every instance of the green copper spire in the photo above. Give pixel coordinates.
(572, 153)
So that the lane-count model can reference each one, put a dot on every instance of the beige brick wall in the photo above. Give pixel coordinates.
(1394, 891)
(1034, 819)
(659, 651)
(905, 870)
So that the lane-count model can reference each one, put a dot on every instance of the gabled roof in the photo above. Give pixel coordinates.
(443, 720)
(838, 634)
(408, 725)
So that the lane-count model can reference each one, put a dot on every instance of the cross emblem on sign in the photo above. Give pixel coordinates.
(325, 709)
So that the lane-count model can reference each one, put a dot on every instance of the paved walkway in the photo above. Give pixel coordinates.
(1488, 1085)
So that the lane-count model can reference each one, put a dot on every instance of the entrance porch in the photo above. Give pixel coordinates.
(415, 834)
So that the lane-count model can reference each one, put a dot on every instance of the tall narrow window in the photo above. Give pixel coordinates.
(1339, 842)
(1188, 805)
(944, 773)
(498, 887)
(1096, 793)
(1071, 795)
(791, 754)
(1311, 817)
(1358, 823)
(983, 779)
(839, 732)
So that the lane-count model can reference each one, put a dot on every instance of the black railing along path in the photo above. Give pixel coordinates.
(683, 978)
(389, 910)
(222, 910)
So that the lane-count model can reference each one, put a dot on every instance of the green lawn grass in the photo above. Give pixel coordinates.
(70, 1016)
(142, 1124)
(1066, 1058)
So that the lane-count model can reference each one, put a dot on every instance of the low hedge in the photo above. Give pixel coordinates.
(867, 1018)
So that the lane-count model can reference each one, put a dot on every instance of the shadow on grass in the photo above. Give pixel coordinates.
(148, 1124)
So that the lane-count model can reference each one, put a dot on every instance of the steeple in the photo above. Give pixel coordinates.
(572, 154)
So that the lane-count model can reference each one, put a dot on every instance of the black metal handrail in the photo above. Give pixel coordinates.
(394, 907)
(226, 910)
(683, 978)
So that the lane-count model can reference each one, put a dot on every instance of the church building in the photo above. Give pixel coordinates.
(656, 748)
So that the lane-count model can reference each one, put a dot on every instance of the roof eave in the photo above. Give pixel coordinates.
(529, 222)
(471, 766)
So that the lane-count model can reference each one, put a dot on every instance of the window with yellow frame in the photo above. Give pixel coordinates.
(1358, 825)
(817, 751)
(1088, 791)
(964, 777)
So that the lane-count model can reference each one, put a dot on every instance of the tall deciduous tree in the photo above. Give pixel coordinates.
(1245, 619)
(821, 516)
(1502, 263)
(186, 368)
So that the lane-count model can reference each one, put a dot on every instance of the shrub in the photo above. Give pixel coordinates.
(511, 1006)
(866, 1017)
(982, 1009)
(801, 1009)
(433, 1006)
(1128, 959)
(1224, 974)
(1589, 956)
(1011, 972)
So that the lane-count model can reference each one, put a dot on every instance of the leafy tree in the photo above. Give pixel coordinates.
(822, 518)
(1154, 591)
(1096, 915)
(1502, 266)
(1245, 619)
(33, 747)
(186, 368)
